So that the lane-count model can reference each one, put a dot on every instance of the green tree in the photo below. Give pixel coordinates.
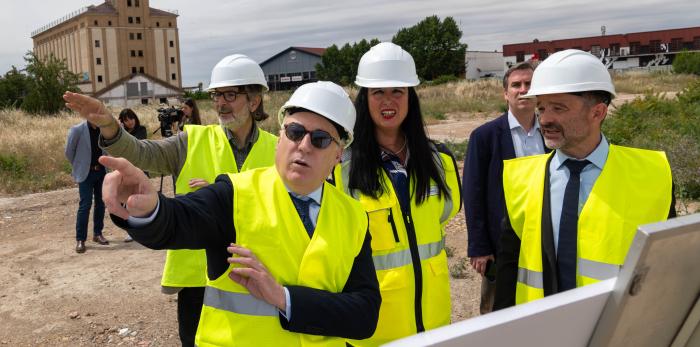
(687, 62)
(435, 47)
(14, 86)
(48, 79)
(340, 64)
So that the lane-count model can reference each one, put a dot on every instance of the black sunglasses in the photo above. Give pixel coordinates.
(319, 138)
(229, 96)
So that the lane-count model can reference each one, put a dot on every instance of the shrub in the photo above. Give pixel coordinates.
(687, 62)
(670, 125)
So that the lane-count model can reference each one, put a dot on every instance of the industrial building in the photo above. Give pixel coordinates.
(480, 64)
(292, 67)
(125, 52)
(647, 49)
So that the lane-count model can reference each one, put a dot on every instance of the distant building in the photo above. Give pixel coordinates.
(125, 51)
(481, 64)
(292, 67)
(622, 51)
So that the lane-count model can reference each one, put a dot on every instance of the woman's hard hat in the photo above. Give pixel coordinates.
(386, 65)
(326, 99)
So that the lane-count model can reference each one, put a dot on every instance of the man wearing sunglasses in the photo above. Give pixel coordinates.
(195, 157)
(301, 270)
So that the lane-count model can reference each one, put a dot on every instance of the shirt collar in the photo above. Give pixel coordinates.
(597, 157)
(513, 122)
(252, 137)
(315, 195)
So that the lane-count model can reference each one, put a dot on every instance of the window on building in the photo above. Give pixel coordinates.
(141, 69)
(312, 75)
(140, 53)
(137, 3)
(109, 23)
(133, 53)
(138, 20)
(173, 76)
(172, 44)
(542, 53)
(676, 44)
(158, 24)
(131, 36)
(634, 48)
(95, 22)
(614, 49)
(163, 100)
(98, 61)
(130, 20)
(170, 24)
(595, 50)
(97, 43)
(172, 60)
(128, 3)
(99, 78)
(655, 46)
(139, 36)
(144, 101)
(519, 56)
(133, 69)
(696, 42)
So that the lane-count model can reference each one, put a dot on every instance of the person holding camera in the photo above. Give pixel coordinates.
(195, 157)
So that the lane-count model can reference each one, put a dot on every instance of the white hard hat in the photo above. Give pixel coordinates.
(326, 99)
(236, 70)
(386, 65)
(570, 71)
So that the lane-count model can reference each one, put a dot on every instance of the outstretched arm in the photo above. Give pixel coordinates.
(94, 111)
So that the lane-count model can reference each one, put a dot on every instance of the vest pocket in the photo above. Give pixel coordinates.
(382, 227)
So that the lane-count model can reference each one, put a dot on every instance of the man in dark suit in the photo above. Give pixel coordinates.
(514, 134)
(572, 214)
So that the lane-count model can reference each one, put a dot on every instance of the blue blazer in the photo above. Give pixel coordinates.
(78, 151)
(484, 204)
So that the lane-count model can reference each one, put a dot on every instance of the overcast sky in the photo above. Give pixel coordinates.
(210, 30)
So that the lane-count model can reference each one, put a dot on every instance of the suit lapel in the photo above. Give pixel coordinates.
(505, 138)
(549, 260)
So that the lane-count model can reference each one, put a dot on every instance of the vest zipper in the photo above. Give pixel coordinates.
(393, 225)
(417, 270)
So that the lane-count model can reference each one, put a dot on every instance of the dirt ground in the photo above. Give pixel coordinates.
(110, 295)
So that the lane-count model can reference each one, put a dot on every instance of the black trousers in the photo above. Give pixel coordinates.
(189, 308)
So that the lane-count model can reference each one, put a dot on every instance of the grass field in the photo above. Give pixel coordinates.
(31, 147)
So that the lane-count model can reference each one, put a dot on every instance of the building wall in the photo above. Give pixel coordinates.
(290, 69)
(484, 64)
(74, 41)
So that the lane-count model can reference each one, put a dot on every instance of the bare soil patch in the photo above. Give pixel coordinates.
(110, 295)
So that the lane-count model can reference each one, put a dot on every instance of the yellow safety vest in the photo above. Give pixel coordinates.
(267, 223)
(634, 188)
(209, 154)
(393, 257)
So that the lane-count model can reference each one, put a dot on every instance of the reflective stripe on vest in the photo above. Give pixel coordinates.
(238, 303)
(589, 268)
(403, 257)
(634, 188)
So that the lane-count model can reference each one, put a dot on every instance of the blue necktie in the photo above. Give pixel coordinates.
(568, 225)
(302, 207)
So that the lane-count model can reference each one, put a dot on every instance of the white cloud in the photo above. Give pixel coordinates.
(211, 29)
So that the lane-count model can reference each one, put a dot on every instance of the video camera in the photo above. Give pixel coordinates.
(168, 116)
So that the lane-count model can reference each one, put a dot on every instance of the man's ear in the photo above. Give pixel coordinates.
(254, 103)
(600, 111)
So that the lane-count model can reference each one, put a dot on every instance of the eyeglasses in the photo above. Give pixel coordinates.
(319, 138)
(229, 96)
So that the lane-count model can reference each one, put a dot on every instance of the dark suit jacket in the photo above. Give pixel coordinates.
(507, 265)
(484, 204)
(353, 313)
